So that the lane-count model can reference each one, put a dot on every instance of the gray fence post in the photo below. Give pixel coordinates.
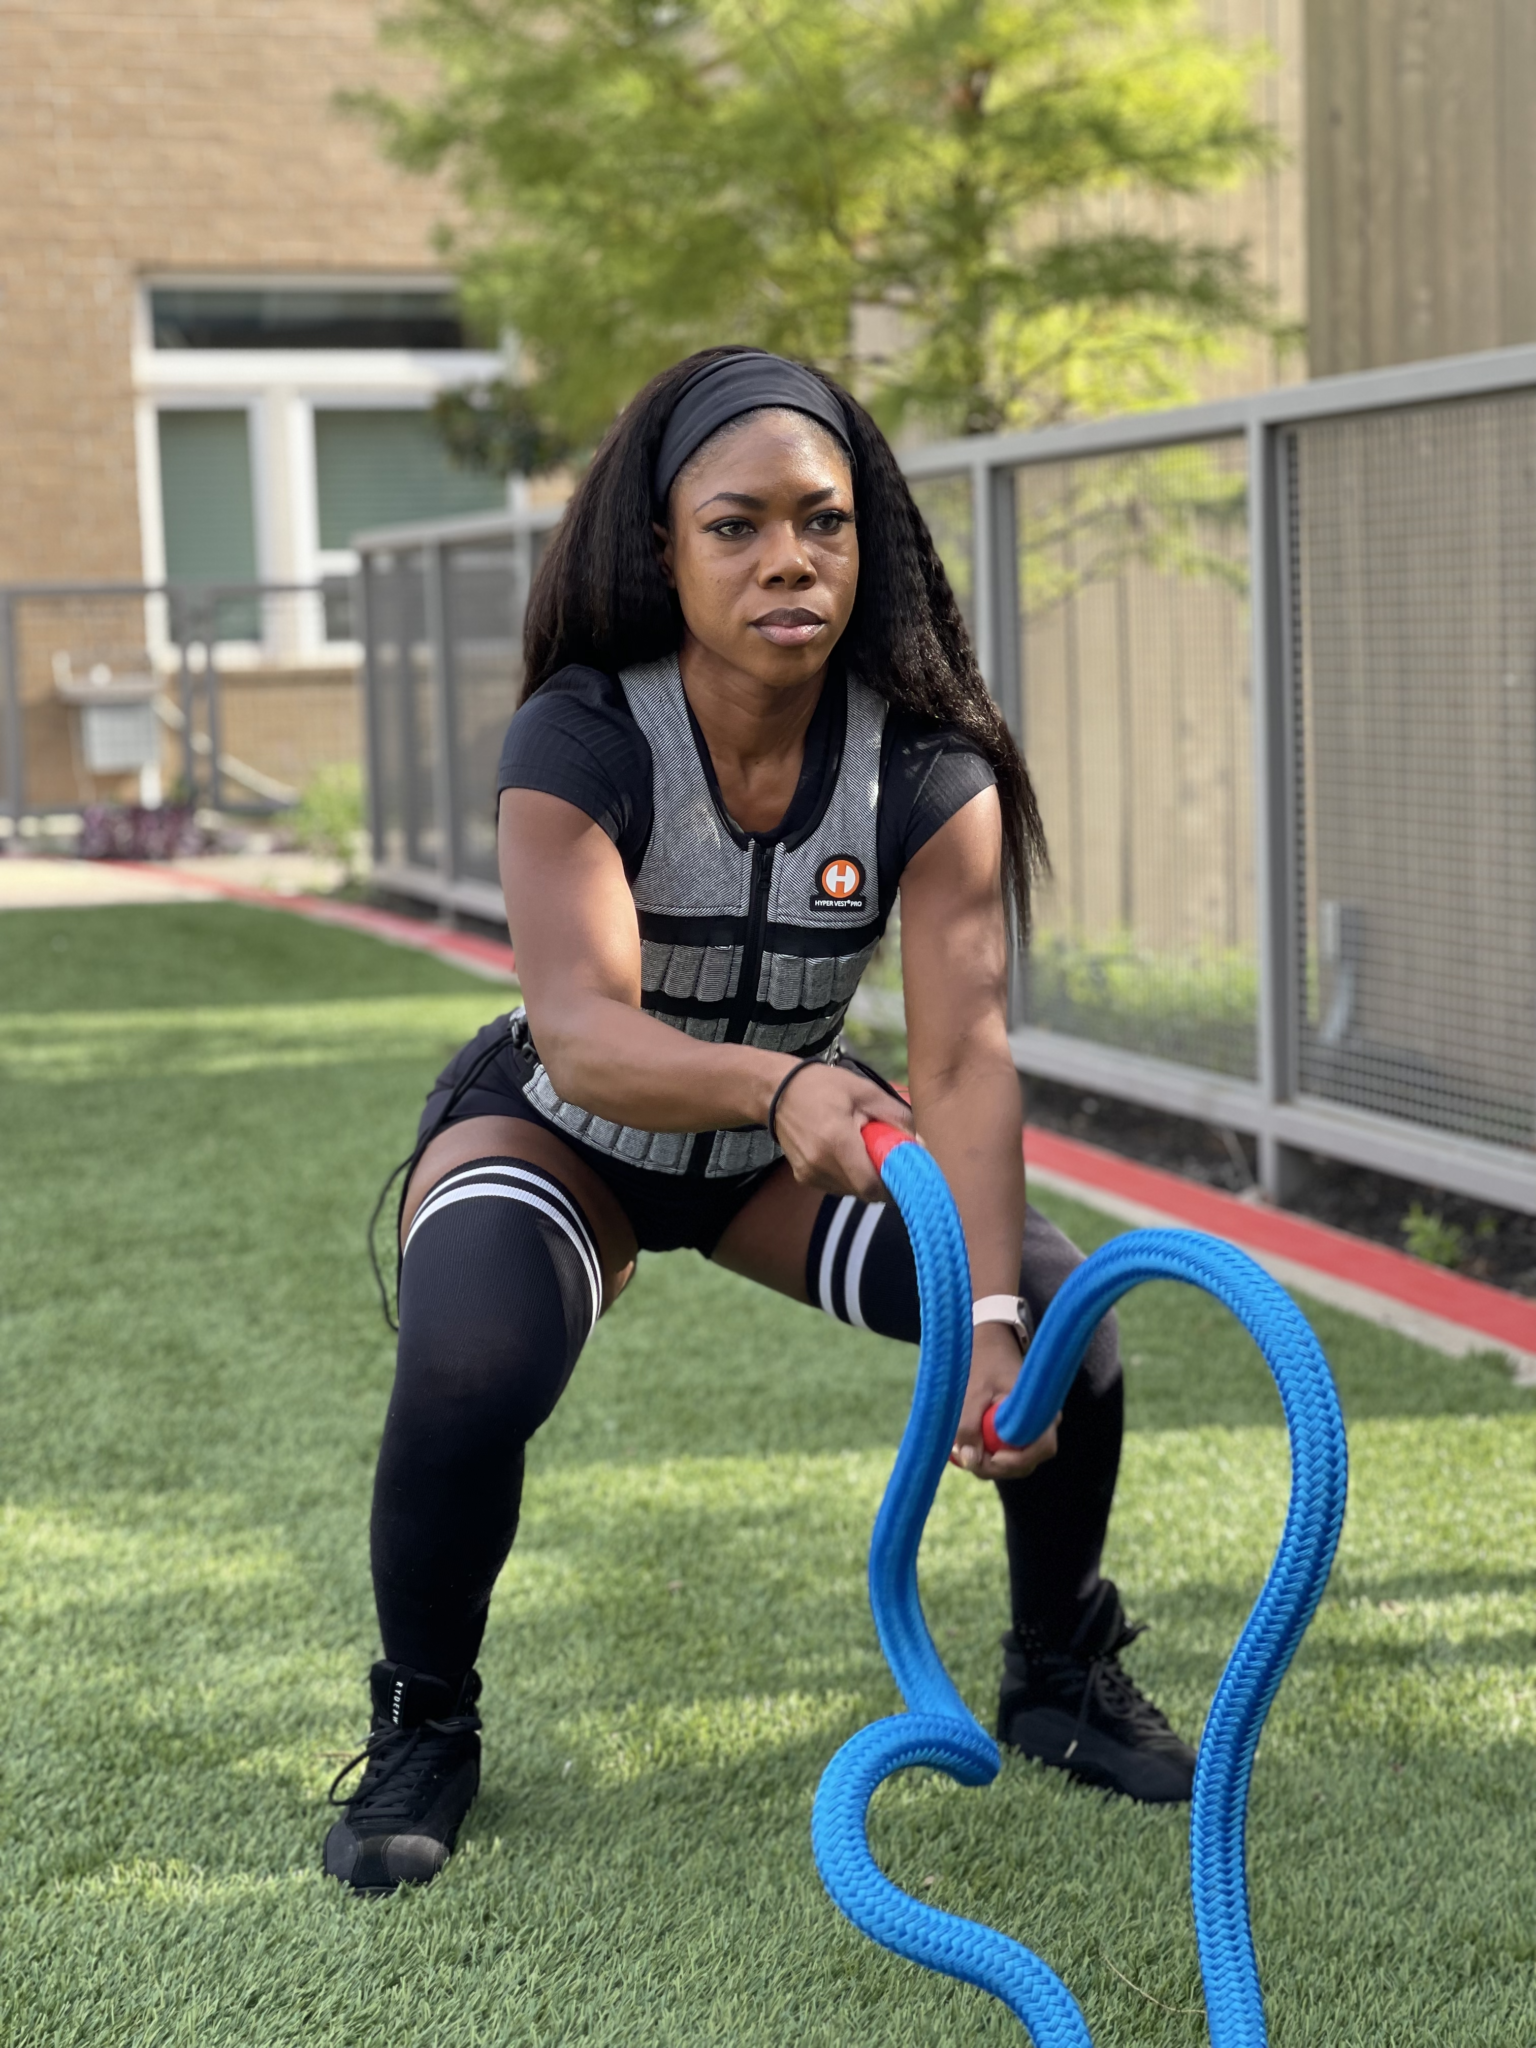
(10, 714)
(997, 590)
(215, 724)
(444, 776)
(362, 624)
(1280, 1167)
(995, 607)
(181, 634)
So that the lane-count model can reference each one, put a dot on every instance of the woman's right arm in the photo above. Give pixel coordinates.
(577, 941)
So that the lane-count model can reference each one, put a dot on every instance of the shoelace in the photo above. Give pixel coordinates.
(1108, 1682)
(393, 1750)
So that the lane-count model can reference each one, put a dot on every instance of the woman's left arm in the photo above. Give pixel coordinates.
(965, 1092)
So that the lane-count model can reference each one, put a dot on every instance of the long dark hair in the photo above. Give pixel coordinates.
(600, 598)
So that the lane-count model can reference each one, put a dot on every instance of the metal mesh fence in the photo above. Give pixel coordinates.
(86, 680)
(946, 504)
(1412, 539)
(1378, 1002)
(233, 699)
(404, 748)
(486, 591)
(1138, 731)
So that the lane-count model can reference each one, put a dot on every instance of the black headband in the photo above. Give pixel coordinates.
(725, 389)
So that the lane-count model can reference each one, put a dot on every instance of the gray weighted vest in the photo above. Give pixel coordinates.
(740, 942)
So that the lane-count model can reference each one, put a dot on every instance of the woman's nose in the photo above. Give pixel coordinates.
(786, 559)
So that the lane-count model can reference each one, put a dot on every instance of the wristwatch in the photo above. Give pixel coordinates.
(1011, 1309)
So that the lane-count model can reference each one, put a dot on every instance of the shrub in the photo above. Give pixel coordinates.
(132, 832)
(1429, 1237)
(328, 818)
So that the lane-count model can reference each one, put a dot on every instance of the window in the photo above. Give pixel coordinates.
(278, 416)
(380, 468)
(205, 497)
(303, 317)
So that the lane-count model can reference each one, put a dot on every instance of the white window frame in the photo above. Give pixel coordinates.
(280, 391)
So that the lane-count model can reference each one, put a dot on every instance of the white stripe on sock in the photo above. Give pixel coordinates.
(477, 1188)
(548, 1189)
(530, 1177)
(835, 1228)
(853, 1272)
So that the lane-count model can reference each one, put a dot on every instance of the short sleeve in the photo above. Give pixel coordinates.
(575, 739)
(931, 772)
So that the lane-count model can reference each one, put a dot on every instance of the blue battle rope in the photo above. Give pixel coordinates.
(938, 1729)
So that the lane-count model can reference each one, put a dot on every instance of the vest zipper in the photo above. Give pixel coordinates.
(759, 886)
(760, 879)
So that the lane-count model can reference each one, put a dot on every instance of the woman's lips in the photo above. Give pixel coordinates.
(789, 628)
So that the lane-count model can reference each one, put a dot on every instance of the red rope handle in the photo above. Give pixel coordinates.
(881, 1140)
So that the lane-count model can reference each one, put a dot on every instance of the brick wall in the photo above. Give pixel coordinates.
(162, 135)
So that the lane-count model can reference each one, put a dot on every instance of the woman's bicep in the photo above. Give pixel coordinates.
(954, 938)
(569, 908)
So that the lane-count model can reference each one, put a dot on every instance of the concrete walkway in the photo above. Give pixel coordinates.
(56, 882)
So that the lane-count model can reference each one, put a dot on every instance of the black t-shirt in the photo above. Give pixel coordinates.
(576, 738)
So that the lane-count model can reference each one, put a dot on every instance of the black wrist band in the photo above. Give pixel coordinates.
(773, 1103)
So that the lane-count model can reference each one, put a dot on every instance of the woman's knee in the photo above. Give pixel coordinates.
(499, 1290)
(1049, 1258)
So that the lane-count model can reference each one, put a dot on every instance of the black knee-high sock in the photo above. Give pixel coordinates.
(499, 1290)
(1055, 1521)
(859, 1268)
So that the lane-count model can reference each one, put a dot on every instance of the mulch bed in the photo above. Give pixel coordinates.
(1499, 1245)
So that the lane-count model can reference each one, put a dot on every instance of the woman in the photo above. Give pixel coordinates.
(751, 718)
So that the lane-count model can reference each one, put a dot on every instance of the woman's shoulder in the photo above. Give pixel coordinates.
(915, 742)
(576, 738)
(576, 687)
(930, 770)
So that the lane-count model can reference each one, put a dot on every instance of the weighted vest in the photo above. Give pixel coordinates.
(740, 942)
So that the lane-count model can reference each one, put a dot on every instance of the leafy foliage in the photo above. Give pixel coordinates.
(1428, 1236)
(328, 818)
(497, 429)
(938, 199)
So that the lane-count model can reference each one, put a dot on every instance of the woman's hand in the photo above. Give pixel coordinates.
(995, 1364)
(818, 1122)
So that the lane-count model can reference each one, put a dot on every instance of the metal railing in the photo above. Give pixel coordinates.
(1273, 662)
(101, 680)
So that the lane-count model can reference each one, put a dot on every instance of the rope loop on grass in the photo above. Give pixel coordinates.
(938, 1729)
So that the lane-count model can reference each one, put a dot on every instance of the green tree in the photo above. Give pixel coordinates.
(642, 177)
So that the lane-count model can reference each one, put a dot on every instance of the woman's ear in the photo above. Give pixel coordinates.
(663, 539)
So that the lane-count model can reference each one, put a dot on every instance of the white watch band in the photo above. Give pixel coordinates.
(1011, 1309)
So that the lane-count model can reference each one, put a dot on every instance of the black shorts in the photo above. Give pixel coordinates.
(667, 1212)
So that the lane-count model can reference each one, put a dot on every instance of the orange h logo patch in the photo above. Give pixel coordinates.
(839, 884)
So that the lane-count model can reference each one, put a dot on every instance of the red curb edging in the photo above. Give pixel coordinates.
(489, 957)
(1505, 1319)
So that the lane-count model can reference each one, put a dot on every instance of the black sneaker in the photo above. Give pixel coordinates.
(1077, 1710)
(423, 1758)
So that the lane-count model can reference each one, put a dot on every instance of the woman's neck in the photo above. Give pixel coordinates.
(755, 732)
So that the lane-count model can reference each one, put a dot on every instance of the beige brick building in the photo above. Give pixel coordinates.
(182, 140)
(221, 320)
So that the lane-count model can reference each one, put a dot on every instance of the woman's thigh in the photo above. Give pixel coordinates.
(769, 1238)
(506, 1137)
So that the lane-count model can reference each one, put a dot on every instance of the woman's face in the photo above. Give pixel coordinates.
(762, 549)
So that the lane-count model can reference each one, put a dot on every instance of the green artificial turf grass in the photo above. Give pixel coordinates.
(198, 1105)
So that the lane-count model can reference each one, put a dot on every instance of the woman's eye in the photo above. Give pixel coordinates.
(731, 529)
(831, 522)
